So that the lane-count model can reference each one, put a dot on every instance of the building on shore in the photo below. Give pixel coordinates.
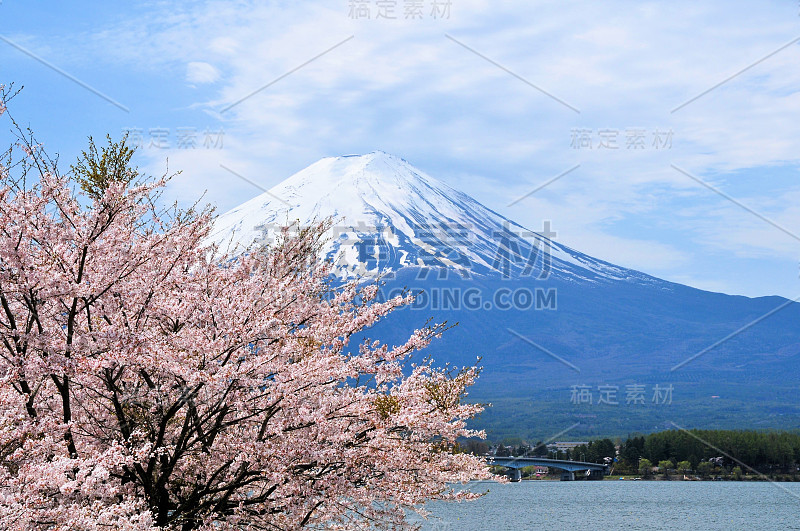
(563, 446)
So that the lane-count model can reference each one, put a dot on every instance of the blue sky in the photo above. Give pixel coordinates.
(493, 99)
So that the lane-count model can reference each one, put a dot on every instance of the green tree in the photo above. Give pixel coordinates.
(656, 446)
(645, 467)
(704, 469)
(737, 473)
(605, 448)
(664, 466)
(475, 446)
(630, 452)
(579, 453)
(96, 170)
(540, 449)
(684, 467)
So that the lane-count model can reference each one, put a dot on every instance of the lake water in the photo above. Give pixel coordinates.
(623, 505)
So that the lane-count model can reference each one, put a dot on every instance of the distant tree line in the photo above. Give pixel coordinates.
(702, 453)
(593, 452)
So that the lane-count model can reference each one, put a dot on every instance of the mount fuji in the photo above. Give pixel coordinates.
(389, 215)
(567, 341)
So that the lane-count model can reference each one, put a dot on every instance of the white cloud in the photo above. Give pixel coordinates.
(197, 72)
(402, 86)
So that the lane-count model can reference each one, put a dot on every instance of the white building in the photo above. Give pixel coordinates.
(564, 445)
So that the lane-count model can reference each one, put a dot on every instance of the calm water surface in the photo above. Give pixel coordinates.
(624, 505)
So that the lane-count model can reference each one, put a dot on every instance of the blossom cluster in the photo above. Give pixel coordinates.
(147, 380)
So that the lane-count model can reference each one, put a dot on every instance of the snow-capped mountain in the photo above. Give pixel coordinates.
(600, 325)
(388, 215)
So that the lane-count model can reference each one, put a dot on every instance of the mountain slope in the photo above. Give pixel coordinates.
(547, 319)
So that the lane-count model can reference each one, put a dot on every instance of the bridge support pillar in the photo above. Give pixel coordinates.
(515, 474)
(566, 475)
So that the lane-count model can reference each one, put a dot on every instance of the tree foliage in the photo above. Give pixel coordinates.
(645, 467)
(95, 171)
(756, 450)
(665, 466)
(593, 451)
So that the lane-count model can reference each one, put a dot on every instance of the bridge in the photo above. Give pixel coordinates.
(514, 464)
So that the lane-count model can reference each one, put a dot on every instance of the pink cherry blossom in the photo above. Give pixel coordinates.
(148, 381)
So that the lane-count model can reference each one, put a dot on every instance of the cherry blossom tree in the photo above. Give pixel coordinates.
(150, 381)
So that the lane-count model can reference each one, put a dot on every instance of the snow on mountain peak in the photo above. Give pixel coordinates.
(388, 215)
